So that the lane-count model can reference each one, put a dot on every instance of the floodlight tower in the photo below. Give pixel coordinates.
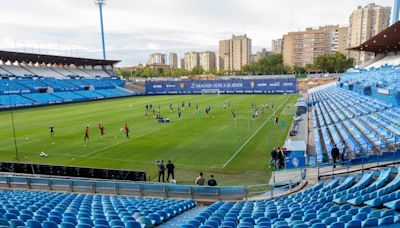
(101, 3)
(396, 9)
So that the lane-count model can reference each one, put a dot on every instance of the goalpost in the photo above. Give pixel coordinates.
(210, 91)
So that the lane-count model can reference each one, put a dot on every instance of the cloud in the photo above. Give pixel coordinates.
(136, 28)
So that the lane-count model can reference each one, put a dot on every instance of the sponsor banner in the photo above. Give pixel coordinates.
(259, 86)
(383, 91)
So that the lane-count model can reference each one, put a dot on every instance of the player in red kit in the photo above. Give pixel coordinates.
(101, 129)
(86, 138)
(126, 129)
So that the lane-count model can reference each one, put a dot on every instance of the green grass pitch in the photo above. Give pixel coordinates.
(235, 151)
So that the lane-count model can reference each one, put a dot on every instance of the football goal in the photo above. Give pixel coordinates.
(210, 91)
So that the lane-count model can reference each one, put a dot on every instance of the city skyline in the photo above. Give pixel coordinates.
(133, 33)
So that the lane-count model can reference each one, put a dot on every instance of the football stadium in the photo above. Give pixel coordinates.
(306, 134)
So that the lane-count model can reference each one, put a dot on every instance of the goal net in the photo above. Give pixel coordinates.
(210, 91)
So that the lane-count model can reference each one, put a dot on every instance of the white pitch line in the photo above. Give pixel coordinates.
(254, 134)
(102, 149)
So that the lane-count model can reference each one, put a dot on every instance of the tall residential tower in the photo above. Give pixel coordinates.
(364, 23)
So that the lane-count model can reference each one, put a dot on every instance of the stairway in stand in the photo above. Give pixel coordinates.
(183, 218)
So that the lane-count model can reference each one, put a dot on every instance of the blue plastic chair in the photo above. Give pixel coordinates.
(370, 222)
(337, 225)
(187, 226)
(329, 220)
(302, 225)
(145, 221)
(101, 222)
(212, 224)
(361, 216)
(33, 224)
(319, 225)
(10, 216)
(67, 225)
(39, 218)
(157, 219)
(49, 224)
(16, 223)
(386, 220)
(84, 226)
(353, 224)
(194, 223)
(24, 217)
(133, 224)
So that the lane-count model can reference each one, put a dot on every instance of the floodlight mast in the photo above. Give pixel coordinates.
(12, 122)
(101, 3)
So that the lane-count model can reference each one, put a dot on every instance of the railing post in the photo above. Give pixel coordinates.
(8, 182)
(219, 193)
(141, 190)
(246, 193)
(28, 182)
(94, 187)
(71, 187)
(290, 185)
(116, 188)
(272, 191)
(273, 173)
(318, 174)
(191, 192)
(362, 164)
(166, 191)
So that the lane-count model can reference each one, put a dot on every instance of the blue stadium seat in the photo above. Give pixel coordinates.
(370, 222)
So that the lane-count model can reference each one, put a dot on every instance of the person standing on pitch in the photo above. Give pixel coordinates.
(170, 170)
(234, 114)
(101, 130)
(51, 127)
(276, 120)
(200, 180)
(179, 114)
(86, 138)
(274, 158)
(126, 129)
(161, 170)
(212, 182)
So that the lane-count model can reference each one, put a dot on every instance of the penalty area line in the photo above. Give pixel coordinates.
(254, 134)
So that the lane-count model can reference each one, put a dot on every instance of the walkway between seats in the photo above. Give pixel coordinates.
(183, 218)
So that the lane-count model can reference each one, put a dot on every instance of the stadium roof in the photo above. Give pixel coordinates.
(52, 59)
(386, 41)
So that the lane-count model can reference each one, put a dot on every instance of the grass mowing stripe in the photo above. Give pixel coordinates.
(254, 134)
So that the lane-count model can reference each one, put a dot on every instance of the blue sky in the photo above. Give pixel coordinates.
(136, 28)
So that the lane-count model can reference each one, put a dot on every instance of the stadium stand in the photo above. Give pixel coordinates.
(364, 123)
(327, 204)
(48, 209)
(43, 71)
(380, 77)
(16, 71)
(389, 60)
(62, 79)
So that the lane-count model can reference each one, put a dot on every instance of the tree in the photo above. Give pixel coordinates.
(335, 63)
(272, 64)
(246, 69)
(197, 70)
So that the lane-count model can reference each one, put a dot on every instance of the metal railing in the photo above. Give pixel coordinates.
(145, 189)
(360, 164)
(276, 188)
